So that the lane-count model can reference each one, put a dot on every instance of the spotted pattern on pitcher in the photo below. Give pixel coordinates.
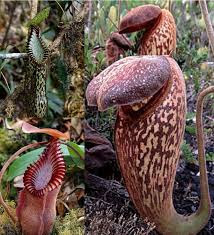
(35, 82)
(35, 89)
(161, 39)
(148, 148)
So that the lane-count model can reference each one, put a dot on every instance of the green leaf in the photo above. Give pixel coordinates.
(61, 72)
(210, 156)
(190, 129)
(5, 87)
(78, 148)
(55, 107)
(187, 152)
(49, 34)
(19, 166)
(41, 16)
(54, 97)
(64, 150)
(55, 103)
(190, 116)
(77, 153)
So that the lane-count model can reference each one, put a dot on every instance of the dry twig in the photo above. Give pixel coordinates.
(13, 7)
(34, 6)
(209, 28)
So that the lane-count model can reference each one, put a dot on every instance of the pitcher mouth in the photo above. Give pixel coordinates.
(142, 110)
(47, 173)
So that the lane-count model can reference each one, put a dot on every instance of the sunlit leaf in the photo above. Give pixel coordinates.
(28, 128)
(40, 17)
(77, 153)
(19, 166)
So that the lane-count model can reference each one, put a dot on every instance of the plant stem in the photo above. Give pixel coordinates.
(4, 168)
(56, 43)
(209, 28)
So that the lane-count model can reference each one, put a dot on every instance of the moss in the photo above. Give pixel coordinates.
(190, 129)
(187, 153)
(8, 144)
(6, 225)
(71, 224)
(210, 157)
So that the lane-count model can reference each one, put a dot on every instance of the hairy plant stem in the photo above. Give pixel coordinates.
(205, 198)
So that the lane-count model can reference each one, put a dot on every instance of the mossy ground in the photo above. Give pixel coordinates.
(71, 224)
(6, 225)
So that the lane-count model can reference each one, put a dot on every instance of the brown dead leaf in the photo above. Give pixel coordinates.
(100, 154)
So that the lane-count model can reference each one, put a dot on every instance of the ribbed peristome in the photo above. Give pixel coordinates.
(36, 47)
(47, 173)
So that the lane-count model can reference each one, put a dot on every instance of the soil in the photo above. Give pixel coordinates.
(99, 201)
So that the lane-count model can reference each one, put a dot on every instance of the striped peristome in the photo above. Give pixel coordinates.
(47, 173)
(36, 47)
